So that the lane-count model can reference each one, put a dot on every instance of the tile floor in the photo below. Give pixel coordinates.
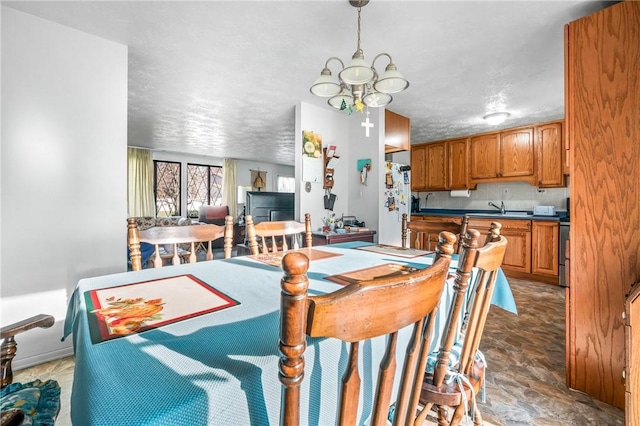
(525, 378)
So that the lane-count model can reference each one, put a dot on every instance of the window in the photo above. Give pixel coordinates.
(204, 187)
(286, 184)
(166, 188)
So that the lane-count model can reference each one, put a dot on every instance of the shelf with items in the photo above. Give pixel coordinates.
(330, 161)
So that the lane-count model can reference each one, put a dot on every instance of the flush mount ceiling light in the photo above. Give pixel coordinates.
(496, 118)
(358, 83)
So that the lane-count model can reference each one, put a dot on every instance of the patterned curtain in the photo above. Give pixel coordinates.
(229, 187)
(140, 197)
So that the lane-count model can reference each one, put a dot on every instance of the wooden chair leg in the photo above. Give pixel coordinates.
(443, 415)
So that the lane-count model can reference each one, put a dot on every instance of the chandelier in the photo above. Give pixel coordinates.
(359, 84)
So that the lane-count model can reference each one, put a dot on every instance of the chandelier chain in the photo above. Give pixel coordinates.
(359, 9)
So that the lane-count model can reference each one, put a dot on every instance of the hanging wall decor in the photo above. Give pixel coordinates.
(364, 167)
(312, 162)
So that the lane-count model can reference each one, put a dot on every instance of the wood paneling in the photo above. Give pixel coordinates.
(604, 98)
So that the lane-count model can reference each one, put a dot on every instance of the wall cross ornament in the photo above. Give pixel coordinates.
(367, 125)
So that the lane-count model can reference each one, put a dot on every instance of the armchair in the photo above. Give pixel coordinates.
(36, 402)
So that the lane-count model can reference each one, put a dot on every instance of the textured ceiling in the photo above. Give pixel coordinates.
(222, 78)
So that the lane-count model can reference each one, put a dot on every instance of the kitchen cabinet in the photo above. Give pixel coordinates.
(550, 155)
(484, 157)
(437, 166)
(502, 157)
(429, 241)
(517, 257)
(545, 237)
(603, 109)
(397, 132)
(458, 164)
(440, 166)
(418, 168)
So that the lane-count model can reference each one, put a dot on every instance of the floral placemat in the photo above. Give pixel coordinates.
(133, 308)
(275, 259)
(370, 273)
(395, 250)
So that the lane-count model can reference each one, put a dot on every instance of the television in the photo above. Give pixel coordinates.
(270, 206)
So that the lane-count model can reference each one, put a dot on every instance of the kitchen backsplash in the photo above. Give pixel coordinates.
(516, 196)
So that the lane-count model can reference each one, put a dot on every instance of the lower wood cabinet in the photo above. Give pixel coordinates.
(545, 237)
(517, 257)
(429, 241)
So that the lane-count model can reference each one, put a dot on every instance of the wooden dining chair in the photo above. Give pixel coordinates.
(176, 236)
(423, 234)
(277, 236)
(353, 314)
(455, 373)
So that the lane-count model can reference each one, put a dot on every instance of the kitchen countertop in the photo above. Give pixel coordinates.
(491, 214)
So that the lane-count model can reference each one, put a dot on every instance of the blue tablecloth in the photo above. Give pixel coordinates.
(219, 368)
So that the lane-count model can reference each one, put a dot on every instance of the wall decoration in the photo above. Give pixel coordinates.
(258, 180)
(312, 162)
(364, 167)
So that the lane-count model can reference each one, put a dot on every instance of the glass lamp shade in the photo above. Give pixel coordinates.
(325, 86)
(391, 81)
(336, 101)
(358, 72)
(377, 99)
(496, 118)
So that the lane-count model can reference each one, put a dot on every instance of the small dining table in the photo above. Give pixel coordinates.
(218, 365)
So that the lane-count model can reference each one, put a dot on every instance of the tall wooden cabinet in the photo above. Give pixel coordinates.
(603, 110)
(437, 165)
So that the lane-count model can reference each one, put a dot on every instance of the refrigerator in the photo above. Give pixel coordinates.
(395, 200)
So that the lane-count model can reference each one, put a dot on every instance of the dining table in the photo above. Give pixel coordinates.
(206, 349)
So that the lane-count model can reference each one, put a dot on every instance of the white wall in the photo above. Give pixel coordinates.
(333, 126)
(64, 171)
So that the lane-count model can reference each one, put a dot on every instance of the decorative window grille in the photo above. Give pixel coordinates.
(166, 188)
(204, 187)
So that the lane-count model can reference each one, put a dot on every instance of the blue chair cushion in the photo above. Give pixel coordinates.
(39, 401)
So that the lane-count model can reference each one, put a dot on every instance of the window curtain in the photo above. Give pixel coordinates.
(230, 187)
(140, 198)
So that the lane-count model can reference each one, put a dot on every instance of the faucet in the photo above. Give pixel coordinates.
(501, 208)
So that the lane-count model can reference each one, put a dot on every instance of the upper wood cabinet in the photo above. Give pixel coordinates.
(504, 156)
(517, 153)
(458, 164)
(437, 165)
(418, 167)
(484, 156)
(397, 132)
(440, 166)
(550, 155)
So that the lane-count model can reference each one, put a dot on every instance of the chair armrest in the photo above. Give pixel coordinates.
(42, 321)
(9, 345)
(13, 417)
